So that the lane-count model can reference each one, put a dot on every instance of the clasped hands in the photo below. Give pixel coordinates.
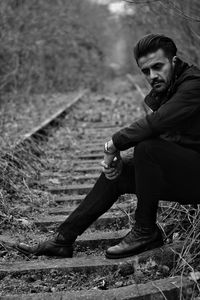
(112, 162)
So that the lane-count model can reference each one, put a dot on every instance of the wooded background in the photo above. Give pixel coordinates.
(179, 19)
(60, 45)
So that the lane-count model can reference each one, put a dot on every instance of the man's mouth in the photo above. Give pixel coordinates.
(157, 84)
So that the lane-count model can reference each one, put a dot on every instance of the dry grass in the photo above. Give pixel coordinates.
(182, 224)
(19, 166)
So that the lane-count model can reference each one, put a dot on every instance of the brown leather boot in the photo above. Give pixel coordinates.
(57, 246)
(138, 240)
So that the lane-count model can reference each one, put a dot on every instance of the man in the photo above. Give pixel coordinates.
(166, 162)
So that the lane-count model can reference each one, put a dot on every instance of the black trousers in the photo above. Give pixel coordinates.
(159, 170)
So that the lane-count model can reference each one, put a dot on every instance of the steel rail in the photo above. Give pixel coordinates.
(41, 129)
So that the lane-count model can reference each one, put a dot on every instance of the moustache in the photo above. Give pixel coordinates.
(156, 82)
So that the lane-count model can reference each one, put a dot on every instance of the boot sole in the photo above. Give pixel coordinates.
(29, 254)
(154, 245)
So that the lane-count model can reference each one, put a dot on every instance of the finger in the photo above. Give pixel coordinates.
(110, 170)
(108, 173)
(103, 164)
(114, 174)
(108, 158)
(111, 177)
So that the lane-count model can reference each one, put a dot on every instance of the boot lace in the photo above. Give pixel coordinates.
(136, 233)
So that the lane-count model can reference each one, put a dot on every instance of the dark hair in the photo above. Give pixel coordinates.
(151, 43)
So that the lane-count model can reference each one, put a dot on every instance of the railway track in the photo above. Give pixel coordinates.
(69, 176)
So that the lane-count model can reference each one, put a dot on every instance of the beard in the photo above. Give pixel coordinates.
(160, 86)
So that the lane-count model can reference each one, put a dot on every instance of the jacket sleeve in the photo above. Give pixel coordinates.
(181, 106)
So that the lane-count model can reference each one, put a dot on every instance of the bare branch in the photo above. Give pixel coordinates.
(195, 33)
(140, 1)
(181, 12)
(170, 4)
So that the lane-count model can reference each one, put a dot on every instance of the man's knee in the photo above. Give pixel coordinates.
(147, 148)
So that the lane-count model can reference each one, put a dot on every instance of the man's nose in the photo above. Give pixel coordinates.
(153, 75)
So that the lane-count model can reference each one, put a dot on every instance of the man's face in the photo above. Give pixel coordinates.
(157, 69)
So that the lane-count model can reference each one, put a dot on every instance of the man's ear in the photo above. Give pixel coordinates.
(174, 60)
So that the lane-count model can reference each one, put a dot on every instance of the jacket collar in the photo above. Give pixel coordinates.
(154, 100)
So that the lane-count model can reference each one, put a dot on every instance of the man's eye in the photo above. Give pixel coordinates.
(145, 71)
(157, 67)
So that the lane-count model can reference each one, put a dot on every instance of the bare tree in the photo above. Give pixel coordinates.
(180, 18)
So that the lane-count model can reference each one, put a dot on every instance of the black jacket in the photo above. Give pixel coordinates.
(175, 116)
